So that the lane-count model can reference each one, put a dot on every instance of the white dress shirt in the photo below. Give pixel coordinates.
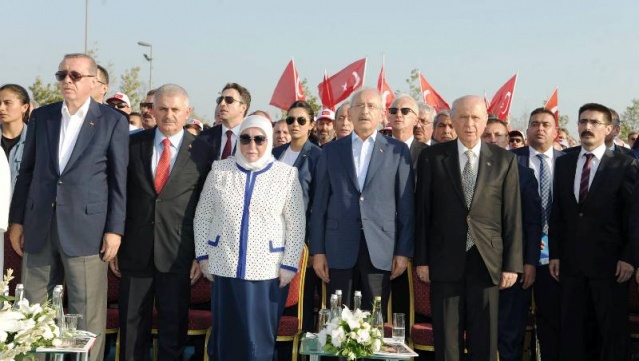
(594, 164)
(234, 137)
(533, 163)
(463, 158)
(362, 152)
(158, 148)
(69, 130)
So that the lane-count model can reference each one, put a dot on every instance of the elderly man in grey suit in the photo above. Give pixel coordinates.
(362, 220)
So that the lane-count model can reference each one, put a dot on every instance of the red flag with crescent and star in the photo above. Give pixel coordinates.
(553, 105)
(289, 88)
(342, 84)
(500, 104)
(430, 96)
(385, 89)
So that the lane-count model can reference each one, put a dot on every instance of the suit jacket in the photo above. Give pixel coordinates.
(384, 209)
(159, 227)
(494, 218)
(206, 147)
(416, 148)
(88, 196)
(531, 215)
(305, 163)
(589, 238)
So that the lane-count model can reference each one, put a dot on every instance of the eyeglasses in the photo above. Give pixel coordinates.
(300, 120)
(146, 105)
(593, 122)
(227, 100)
(424, 122)
(516, 140)
(404, 111)
(119, 105)
(245, 139)
(74, 75)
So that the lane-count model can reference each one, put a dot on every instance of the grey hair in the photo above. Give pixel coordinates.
(93, 66)
(359, 92)
(441, 114)
(430, 111)
(170, 89)
(402, 97)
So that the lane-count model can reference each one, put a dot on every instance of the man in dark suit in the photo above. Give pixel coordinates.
(468, 242)
(362, 220)
(69, 202)
(219, 141)
(541, 134)
(514, 302)
(590, 249)
(157, 257)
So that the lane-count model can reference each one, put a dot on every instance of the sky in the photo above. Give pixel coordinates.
(589, 49)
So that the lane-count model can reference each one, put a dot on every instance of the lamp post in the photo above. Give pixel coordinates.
(149, 58)
(86, 26)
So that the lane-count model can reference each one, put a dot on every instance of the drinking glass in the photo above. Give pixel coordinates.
(399, 327)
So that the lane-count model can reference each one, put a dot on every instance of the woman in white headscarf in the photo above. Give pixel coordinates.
(249, 233)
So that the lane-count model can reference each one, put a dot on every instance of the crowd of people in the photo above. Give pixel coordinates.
(491, 217)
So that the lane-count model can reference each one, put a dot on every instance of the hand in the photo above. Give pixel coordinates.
(530, 272)
(423, 273)
(115, 268)
(110, 245)
(196, 273)
(320, 265)
(507, 280)
(286, 277)
(553, 267)
(204, 268)
(624, 271)
(16, 237)
(399, 266)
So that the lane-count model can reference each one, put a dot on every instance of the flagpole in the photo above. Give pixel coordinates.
(364, 75)
(421, 89)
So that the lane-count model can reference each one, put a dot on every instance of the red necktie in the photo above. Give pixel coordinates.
(227, 147)
(163, 170)
(585, 178)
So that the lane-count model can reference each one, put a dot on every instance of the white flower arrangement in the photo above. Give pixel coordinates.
(351, 335)
(25, 327)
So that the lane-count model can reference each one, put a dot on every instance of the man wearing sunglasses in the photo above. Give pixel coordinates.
(146, 109)
(516, 139)
(121, 102)
(362, 218)
(69, 202)
(219, 142)
(403, 119)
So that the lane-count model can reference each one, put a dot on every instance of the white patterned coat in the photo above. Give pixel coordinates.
(250, 224)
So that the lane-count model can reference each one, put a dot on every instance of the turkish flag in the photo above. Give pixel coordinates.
(553, 105)
(431, 97)
(385, 89)
(340, 85)
(500, 105)
(289, 88)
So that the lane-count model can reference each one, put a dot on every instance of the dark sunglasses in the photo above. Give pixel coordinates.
(515, 140)
(300, 120)
(119, 105)
(227, 100)
(245, 139)
(74, 75)
(146, 105)
(404, 111)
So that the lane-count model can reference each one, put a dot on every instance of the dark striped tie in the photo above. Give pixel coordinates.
(585, 178)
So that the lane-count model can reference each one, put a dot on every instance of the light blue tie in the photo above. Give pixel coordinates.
(544, 192)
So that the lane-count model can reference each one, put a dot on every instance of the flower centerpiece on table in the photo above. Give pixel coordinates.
(24, 327)
(351, 335)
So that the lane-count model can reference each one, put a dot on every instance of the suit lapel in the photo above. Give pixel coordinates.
(146, 154)
(570, 170)
(181, 159)
(601, 169)
(302, 156)
(524, 158)
(377, 157)
(91, 122)
(484, 169)
(347, 156)
(53, 124)
(451, 164)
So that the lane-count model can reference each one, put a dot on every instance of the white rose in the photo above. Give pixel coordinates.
(322, 337)
(363, 336)
(337, 336)
(3, 336)
(10, 321)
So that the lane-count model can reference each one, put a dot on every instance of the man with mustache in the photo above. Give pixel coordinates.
(146, 108)
(343, 127)
(423, 131)
(324, 126)
(444, 130)
(591, 252)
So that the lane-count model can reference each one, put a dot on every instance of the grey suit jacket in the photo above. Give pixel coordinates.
(383, 210)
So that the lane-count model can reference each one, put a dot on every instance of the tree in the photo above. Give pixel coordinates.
(414, 88)
(45, 93)
(563, 120)
(630, 119)
(131, 85)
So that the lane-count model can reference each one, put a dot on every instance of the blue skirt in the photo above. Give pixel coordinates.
(245, 319)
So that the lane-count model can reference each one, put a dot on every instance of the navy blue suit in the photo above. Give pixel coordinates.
(547, 290)
(373, 225)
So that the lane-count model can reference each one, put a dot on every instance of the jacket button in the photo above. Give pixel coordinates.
(361, 199)
(581, 214)
(59, 182)
(468, 218)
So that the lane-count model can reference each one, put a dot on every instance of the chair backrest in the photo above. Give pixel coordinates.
(13, 261)
(633, 296)
(201, 291)
(113, 288)
(296, 287)
(419, 295)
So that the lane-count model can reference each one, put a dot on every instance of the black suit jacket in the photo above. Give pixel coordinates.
(589, 238)
(442, 218)
(206, 147)
(416, 148)
(159, 227)
(531, 215)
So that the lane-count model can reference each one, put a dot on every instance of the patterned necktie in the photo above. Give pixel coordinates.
(469, 176)
(544, 191)
(163, 169)
(227, 147)
(585, 178)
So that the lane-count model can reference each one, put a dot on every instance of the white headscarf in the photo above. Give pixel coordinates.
(266, 127)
